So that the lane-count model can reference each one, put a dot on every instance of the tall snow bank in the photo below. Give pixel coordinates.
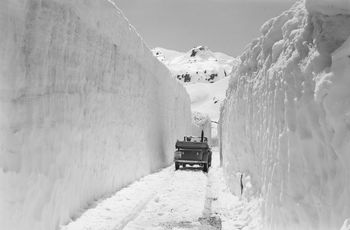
(328, 7)
(286, 120)
(85, 109)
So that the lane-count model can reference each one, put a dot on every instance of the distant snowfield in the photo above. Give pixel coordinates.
(183, 199)
(207, 98)
(199, 64)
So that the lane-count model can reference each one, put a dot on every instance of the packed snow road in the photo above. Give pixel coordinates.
(169, 199)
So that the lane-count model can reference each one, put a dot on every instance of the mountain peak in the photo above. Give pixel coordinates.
(199, 49)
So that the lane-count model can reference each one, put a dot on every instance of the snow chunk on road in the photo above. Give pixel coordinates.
(201, 122)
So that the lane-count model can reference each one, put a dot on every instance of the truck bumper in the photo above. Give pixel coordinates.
(189, 162)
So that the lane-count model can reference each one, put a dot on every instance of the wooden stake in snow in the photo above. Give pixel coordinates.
(241, 183)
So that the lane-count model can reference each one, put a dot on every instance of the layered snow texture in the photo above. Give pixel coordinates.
(199, 64)
(286, 120)
(85, 109)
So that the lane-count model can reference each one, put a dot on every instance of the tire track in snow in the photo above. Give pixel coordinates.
(208, 220)
(116, 212)
(177, 205)
(143, 204)
(208, 198)
(135, 212)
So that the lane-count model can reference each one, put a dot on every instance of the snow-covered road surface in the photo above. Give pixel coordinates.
(183, 199)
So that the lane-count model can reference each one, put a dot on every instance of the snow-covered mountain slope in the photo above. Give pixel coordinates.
(197, 65)
(286, 119)
(207, 98)
(200, 66)
(85, 108)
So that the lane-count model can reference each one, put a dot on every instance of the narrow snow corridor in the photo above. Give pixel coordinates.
(183, 199)
(91, 118)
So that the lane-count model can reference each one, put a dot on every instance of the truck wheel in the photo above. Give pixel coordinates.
(177, 166)
(205, 167)
(183, 165)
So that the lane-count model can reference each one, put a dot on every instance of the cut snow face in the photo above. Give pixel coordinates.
(85, 109)
(197, 65)
(286, 119)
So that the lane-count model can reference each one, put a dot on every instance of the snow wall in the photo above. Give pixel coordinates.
(201, 122)
(286, 119)
(85, 109)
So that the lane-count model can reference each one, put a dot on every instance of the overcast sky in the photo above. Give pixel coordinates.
(222, 25)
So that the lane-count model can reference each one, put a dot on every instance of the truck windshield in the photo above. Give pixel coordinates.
(195, 139)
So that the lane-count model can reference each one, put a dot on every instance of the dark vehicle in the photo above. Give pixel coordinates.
(193, 151)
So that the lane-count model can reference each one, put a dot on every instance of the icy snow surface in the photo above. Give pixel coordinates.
(183, 199)
(286, 119)
(85, 109)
